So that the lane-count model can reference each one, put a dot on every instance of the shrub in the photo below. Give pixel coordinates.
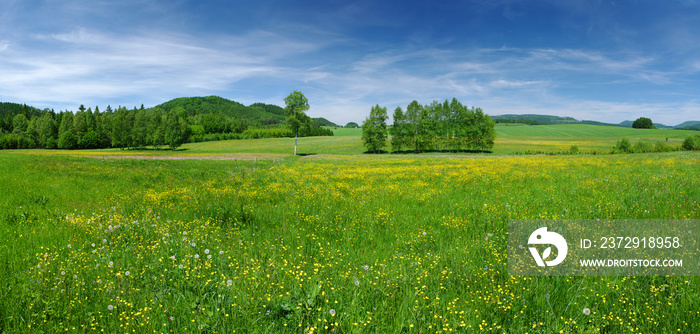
(573, 149)
(642, 147)
(691, 143)
(624, 146)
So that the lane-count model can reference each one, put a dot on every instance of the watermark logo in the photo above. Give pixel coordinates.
(543, 237)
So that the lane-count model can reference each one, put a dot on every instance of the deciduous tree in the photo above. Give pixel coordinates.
(295, 109)
(374, 129)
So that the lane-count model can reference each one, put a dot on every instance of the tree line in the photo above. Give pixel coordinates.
(26, 127)
(88, 129)
(448, 126)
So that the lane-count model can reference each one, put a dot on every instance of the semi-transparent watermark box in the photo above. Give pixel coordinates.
(603, 247)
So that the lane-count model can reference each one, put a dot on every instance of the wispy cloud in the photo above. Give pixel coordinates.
(345, 58)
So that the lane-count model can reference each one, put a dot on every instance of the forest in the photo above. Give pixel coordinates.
(170, 124)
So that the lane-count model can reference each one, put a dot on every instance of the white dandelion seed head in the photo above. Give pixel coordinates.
(111, 263)
(357, 283)
(63, 273)
(127, 273)
(229, 282)
(68, 245)
(365, 267)
(196, 256)
(110, 307)
(332, 312)
(172, 257)
(206, 251)
(209, 256)
(221, 252)
(586, 311)
(425, 233)
(180, 266)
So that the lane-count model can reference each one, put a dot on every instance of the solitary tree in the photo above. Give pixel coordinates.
(374, 130)
(296, 107)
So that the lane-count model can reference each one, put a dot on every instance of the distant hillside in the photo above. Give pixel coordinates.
(549, 119)
(12, 109)
(543, 119)
(320, 121)
(255, 113)
(695, 125)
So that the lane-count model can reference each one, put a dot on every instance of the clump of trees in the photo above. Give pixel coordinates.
(643, 123)
(448, 126)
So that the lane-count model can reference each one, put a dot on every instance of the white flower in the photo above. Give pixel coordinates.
(172, 257)
(111, 263)
(68, 245)
(110, 307)
(221, 252)
(365, 267)
(229, 282)
(206, 251)
(332, 312)
(63, 273)
(196, 256)
(425, 233)
(180, 266)
(209, 256)
(357, 283)
(127, 273)
(586, 311)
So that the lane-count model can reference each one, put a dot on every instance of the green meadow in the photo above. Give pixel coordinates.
(240, 236)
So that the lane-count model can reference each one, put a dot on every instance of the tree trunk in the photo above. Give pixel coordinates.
(295, 141)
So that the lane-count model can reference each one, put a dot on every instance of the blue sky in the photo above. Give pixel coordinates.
(598, 60)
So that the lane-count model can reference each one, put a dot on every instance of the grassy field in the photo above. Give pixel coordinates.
(511, 139)
(246, 238)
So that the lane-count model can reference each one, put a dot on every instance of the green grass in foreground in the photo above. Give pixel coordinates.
(330, 244)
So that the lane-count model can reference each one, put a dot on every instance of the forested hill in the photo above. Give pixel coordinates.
(256, 113)
(9, 109)
(260, 113)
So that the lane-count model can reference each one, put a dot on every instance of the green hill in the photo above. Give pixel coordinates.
(544, 119)
(256, 113)
(12, 109)
(320, 121)
(694, 125)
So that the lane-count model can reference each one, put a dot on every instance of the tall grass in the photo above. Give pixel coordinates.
(324, 244)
